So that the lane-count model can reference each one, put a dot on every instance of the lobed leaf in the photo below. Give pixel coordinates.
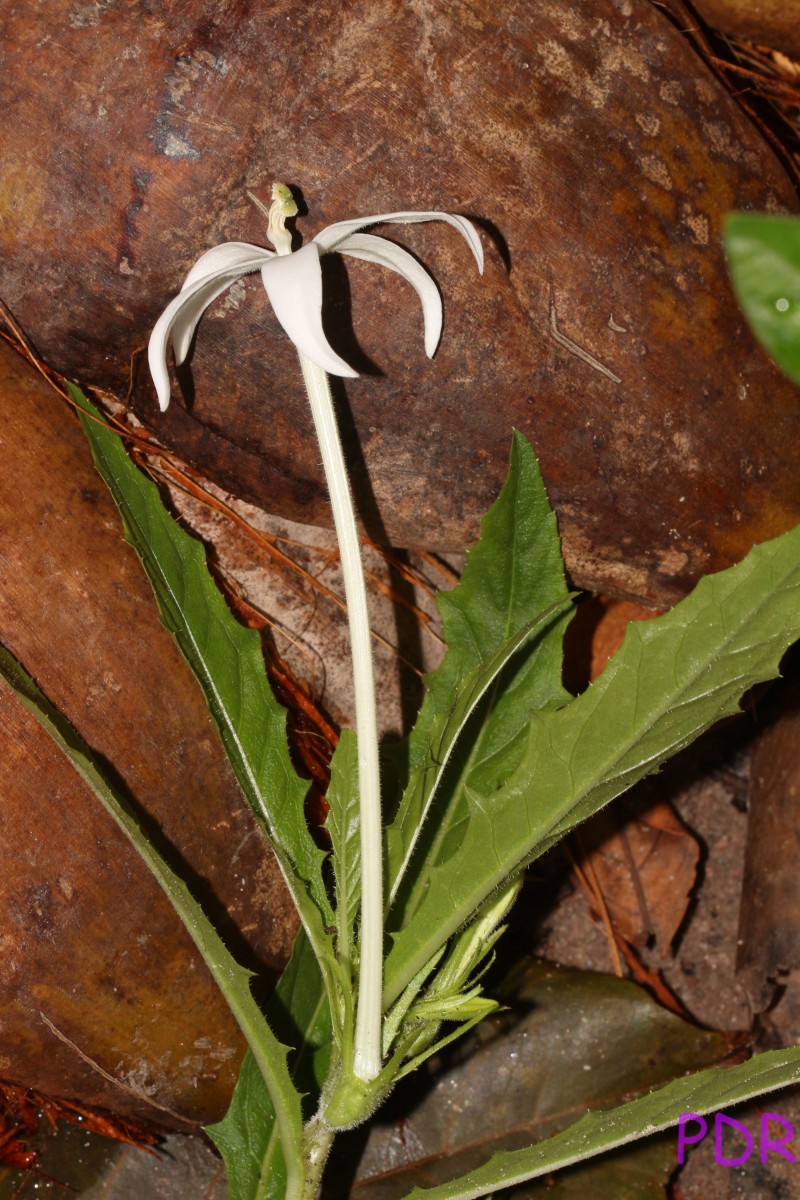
(673, 678)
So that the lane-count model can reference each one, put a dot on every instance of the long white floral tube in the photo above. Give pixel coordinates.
(367, 1045)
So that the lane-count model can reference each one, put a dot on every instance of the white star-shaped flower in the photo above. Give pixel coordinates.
(293, 283)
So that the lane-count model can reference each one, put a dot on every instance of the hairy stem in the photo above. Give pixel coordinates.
(366, 1052)
(317, 1142)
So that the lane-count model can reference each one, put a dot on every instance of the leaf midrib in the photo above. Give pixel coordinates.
(416, 893)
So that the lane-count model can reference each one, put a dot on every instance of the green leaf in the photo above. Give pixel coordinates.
(567, 1042)
(454, 992)
(444, 730)
(248, 1141)
(228, 663)
(512, 575)
(673, 677)
(764, 256)
(268, 1055)
(638, 1172)
(247, 1136)
(343, 825)
(298, 1012)
(701, 1093)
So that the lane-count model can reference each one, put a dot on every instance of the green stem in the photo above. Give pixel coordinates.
(317, 1143)
(367, 1046)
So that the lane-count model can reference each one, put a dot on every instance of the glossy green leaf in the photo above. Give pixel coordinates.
(673, 678)
(268, 1055)
(247, 1136)
(764, 256)
(227, 660)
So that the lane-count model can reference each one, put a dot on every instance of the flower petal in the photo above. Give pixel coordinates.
(196, 300)
(157, 349)
(388, 254)
(329, 238)
(223, 258)
(179, 321)
(293, 283)
(218, 268)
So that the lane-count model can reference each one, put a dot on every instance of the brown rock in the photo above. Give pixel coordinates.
(773, 23)
(769, 917)
(592, 143)
(89, 946)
